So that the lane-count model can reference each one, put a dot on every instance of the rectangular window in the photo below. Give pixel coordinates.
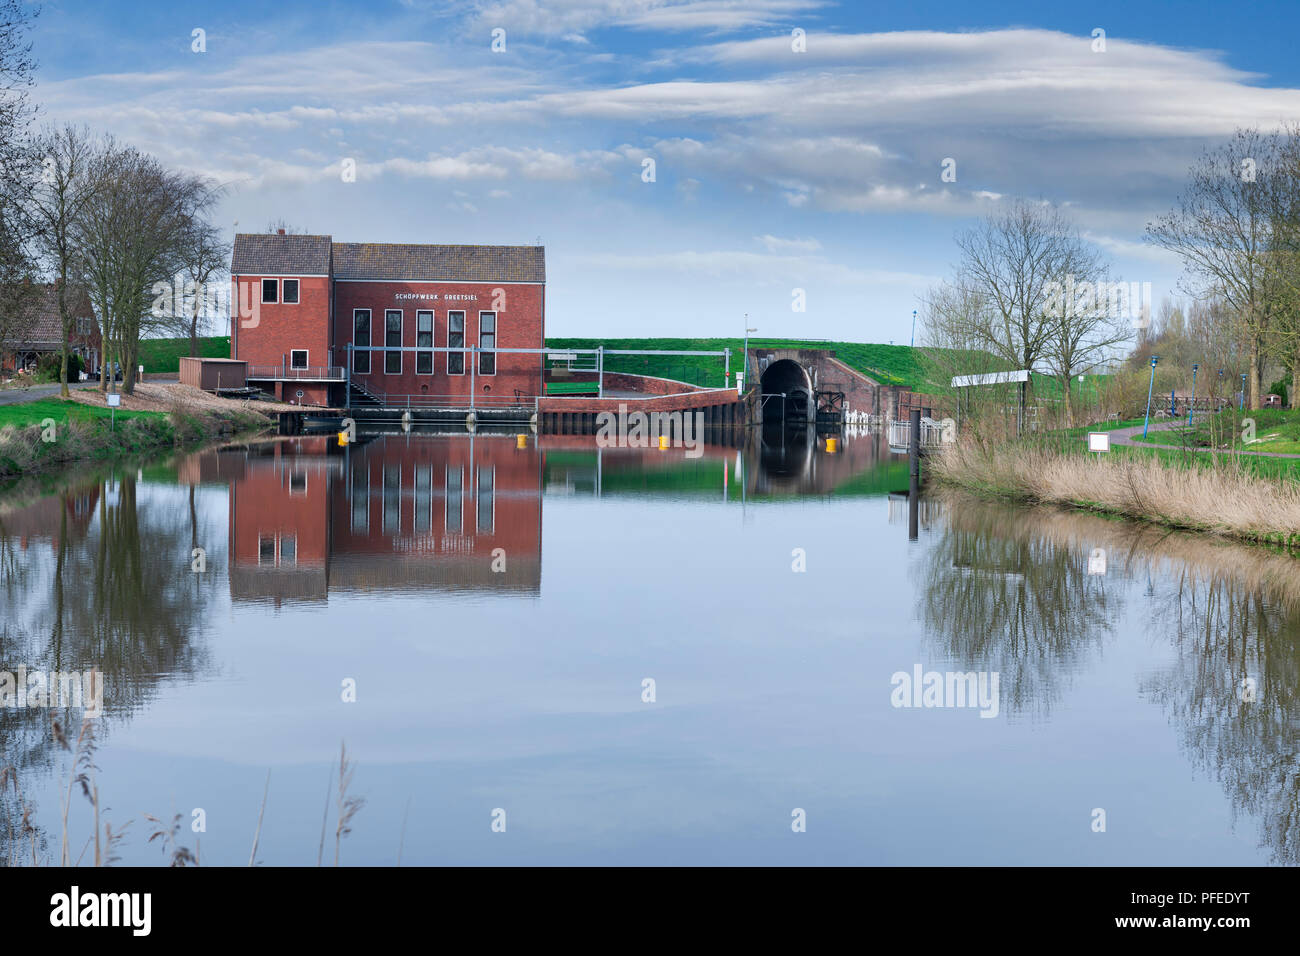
(288, 549)
(455, 340)
(487, 341)
(298, 358)
(424, 340)
(297, 482)
(486, 489)
(266, 549)
(455, 479)
(290, 291)
(270, 290)
(393, 340)
(361, 339)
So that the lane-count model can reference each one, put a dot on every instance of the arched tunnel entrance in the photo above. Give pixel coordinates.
(787, 394)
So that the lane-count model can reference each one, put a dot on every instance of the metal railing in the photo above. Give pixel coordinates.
(900, 434)
(449, 402)
(319, 373)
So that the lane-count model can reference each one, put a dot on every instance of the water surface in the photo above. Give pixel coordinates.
(499, 609)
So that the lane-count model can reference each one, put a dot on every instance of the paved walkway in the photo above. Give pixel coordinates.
(13, 396)
(1124, 436)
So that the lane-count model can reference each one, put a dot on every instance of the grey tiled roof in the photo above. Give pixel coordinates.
(418, 262)
(40, 323)
(270, 254)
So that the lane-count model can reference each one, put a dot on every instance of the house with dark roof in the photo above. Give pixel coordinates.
(37, 331)
(331, 323)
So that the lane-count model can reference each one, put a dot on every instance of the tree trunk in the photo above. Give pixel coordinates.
(1255, 374)
(63, 371)
(1069, 405)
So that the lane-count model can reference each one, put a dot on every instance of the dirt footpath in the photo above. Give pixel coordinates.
(172, 396)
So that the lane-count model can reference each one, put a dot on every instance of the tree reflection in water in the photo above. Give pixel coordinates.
(994, 596)
(96, 575)
(1007, 589)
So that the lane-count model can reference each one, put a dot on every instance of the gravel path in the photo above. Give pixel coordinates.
(14, 396)
(1124, 436)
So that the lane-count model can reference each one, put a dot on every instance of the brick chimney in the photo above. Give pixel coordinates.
(279, 232)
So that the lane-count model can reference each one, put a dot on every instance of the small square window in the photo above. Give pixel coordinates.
(291, 291)
(270, 290)
(298, 358)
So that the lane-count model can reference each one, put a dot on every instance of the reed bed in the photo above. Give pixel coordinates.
(1221, 497)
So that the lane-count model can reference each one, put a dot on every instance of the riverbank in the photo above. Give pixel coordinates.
(1222, 497)
(46, 434)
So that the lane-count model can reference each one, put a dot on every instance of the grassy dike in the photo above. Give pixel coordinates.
(1219, 495)
(52, 433)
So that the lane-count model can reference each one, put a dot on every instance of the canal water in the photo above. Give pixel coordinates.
(563, 654)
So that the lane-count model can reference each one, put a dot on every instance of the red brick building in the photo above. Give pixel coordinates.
(313, 316)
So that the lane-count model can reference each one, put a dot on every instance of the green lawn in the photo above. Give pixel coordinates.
(889, 364)
(164, 355)
(35, 412)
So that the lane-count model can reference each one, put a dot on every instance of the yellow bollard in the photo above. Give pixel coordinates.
(521, 441)
(832, 444)
(343, 438)
(663, 442)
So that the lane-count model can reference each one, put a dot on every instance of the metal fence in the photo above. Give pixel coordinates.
(318, 373)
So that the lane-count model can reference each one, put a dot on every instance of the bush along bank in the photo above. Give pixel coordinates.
(40, 441)
(1222, 497)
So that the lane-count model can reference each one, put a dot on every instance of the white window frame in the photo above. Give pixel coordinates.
(464, 316)
(297, 291)
(370, 356)
(294, 474)
(279, 546)
(433, 330)
(275, 550)
(276, 300)
(495, 333)
(306, 356)
(401, 331)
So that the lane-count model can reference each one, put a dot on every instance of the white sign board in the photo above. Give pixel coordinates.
(114, 401)
(992, 378)
(561, 356)
(1098, 441)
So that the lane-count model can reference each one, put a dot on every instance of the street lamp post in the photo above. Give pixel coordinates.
(914, 328)
(1192, 404)
(1150, 389)
(744, 363)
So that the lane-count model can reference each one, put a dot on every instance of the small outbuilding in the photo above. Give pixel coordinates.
(214, 374)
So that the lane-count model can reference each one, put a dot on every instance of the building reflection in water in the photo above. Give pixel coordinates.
(391, 512)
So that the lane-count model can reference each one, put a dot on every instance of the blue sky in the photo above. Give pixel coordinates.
(774, 170)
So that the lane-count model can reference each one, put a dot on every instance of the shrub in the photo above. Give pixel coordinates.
(47, 369)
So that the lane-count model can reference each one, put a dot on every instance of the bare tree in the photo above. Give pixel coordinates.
(133, 234)
(1013, 296)
(65, 189)
(18, 169)
(1222, 228)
